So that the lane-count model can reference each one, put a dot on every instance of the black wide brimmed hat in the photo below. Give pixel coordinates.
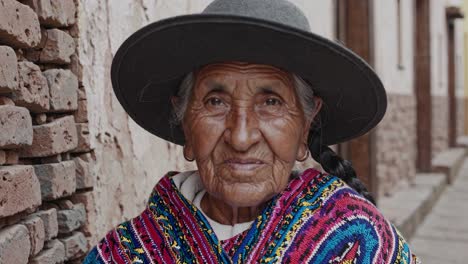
(150, 65)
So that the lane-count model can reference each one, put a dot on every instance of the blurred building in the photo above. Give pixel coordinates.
(83, 150)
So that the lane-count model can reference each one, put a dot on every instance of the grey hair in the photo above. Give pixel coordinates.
(303, 90)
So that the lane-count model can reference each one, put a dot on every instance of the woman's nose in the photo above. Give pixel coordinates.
(242, 130)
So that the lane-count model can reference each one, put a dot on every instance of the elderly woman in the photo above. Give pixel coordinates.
(248, 90)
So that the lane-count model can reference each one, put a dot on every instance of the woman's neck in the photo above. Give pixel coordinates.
(225, 214)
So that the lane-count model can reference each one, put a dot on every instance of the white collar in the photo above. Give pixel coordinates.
(191, 187)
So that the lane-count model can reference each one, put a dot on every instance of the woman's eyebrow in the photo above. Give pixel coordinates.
(215, 87)
(270, 89)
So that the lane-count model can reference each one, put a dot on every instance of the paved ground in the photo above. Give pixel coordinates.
(443, 236)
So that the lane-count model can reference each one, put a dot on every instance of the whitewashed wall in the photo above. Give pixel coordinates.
(401, 81)
(439, 36)
(129, 160)
(460, 58)
(396, 78)
(321, 16)
(439, 63)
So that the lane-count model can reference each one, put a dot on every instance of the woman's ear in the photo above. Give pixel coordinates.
(302, 152)
(188, 148)
(188, 151)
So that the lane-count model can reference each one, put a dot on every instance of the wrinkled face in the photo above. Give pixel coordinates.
(245, 128)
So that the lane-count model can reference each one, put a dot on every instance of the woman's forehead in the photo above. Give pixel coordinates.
(241, 70)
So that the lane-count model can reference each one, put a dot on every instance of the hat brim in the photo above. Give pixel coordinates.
(149, 66)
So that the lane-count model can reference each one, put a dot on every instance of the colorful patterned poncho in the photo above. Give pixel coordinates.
(316, 219)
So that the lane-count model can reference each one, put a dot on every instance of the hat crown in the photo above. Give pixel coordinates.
(278, 11)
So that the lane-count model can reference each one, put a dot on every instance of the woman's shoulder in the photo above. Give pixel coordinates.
(354, 218)
(125, 243)
(114, 246)
(343, 204)
(93, 257)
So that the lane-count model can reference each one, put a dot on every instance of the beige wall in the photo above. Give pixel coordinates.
(129, 161)
(439, 57)
(396, 78)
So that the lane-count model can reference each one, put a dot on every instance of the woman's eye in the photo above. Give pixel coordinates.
(215, 101)
(272, 101)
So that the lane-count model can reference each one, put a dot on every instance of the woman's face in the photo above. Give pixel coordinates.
(245, 128)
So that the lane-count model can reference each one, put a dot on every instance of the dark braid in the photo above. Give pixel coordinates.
(334, 164)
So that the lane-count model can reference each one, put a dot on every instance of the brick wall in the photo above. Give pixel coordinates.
(465, 113)
(396, 143)
(46, 161)
(461, 108)
(440, 117)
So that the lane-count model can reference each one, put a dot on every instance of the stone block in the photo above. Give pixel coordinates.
(26, 161)
(16, 127)
(14, 242)
(14, 219)
(408, 207)
(49, 205)
(57, 179)
(52, 138)
(54, 253)
(440, 115)
(35, 227)
(19, 189)
(84, 144)
(40, 119)
(462, 141)
(81, 114)
(63, 89)
(84, 171)
(64, 204)
(449, 162)
(19, 25)
(71, 219)
(52, 159)
(393, 164)
(54, 13)
(57, 48)
(8, 69)
(49, 218)
(2, 157)
(89, 228)
(66, 156)
(12, 157)
(33, 90)
(76, 67)
(76, 245)
(74, 31)
(81, 93)
(6, 101)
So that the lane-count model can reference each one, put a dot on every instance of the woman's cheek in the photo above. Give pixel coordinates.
(283, 136)
(206, 133)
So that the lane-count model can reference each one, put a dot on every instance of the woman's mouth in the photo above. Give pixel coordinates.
(244, 164)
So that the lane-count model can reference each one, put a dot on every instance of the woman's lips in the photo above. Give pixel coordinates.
(244, 164)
